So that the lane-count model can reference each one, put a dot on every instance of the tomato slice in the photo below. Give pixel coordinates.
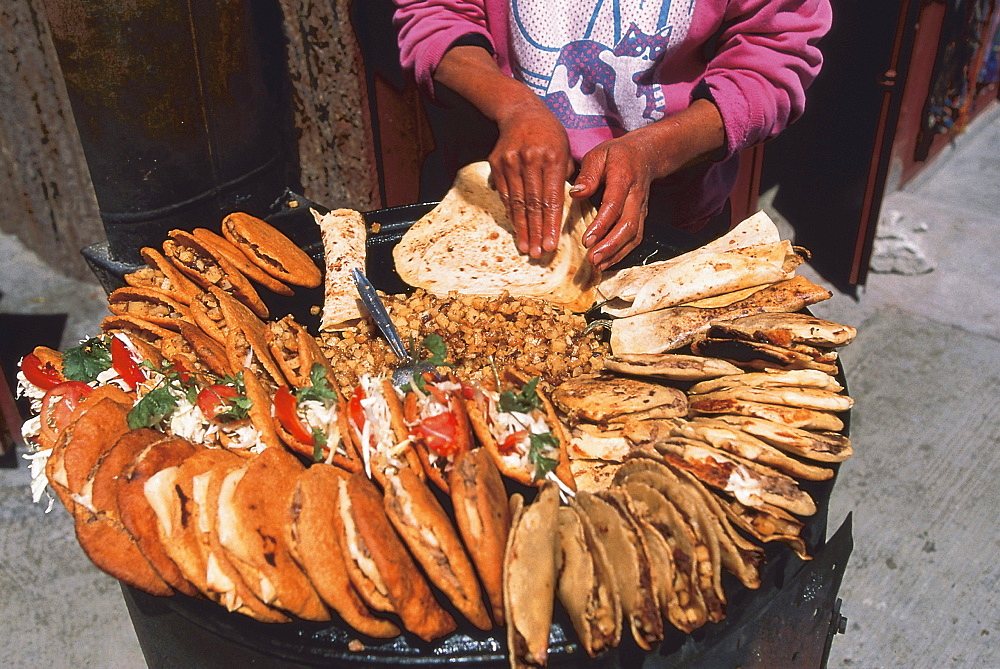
(355, 411)
(286, 411)
(57, 408)
(39, 374)
(439, 433)
(179, 366)
(214, 400)
(510, 442)
(126, 366)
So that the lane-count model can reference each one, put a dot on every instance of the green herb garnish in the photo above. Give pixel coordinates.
(319, 388)
(541, 445)
(154, 406)
(86, 361)
(438, 349)
(319, 443)
(525, 401)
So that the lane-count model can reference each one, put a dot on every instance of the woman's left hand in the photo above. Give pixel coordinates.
(625, 166)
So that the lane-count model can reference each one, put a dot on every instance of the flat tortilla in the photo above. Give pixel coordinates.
(467, 244)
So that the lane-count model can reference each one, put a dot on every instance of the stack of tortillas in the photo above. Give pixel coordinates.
(751, 254)
(467, 244)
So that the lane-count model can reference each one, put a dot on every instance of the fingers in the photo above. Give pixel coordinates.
(617, 229)
(553, 196)
(532, 188)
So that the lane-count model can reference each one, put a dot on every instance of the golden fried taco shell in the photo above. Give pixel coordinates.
(530, 578)
(240, 261)
(417, 516)
(483, 517)
(271, 250)
(315, 547)
(207, 267)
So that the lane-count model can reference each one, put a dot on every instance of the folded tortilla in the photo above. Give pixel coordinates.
(467, 244)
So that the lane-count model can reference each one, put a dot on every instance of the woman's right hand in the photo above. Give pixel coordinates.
(530, 164)
(531, 159)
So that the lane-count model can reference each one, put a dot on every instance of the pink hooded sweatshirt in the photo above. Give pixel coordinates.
(605, 67)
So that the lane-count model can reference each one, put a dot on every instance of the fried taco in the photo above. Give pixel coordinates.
(246, 341)
(296, 351)
(379, 564)
(697, 587)
(750, 483)
(529, 583)
(613, 518)
(313, 544)
(99, 528)
(376, 425)
(252, 529)
(148, 304)
(701, 508)
(586, 585)
(428, 532)
(312, 421)
(207, 267)
(160, 274)
(271, 250)
(519, 427)
(136, 513)
(240, 261)
(438, 422)
(483, 518)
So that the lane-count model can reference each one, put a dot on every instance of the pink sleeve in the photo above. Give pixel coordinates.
(767, 56)
(427, 28)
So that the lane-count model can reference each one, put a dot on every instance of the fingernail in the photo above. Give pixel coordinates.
(575, 188)
(598, 259)
(588, 240)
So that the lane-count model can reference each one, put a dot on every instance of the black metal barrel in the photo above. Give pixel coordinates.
(182, 111)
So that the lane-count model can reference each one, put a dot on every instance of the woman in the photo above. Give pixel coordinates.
(654, 98)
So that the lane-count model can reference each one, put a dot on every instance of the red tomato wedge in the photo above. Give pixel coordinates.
(39, 374)
(286, 411)
(439, 433)
(355, 411)
(214, 400)
(126, 366)
(511, 441)
(179, 366)
(57, 407)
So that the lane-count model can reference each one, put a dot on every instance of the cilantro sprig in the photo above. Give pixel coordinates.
(524, 401)
(319, 386)
(541, 446)
(86, 361)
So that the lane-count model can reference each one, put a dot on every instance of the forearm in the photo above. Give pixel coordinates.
(472, 73)
(691, 136)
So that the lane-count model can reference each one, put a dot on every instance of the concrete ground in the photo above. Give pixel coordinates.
(920, 587)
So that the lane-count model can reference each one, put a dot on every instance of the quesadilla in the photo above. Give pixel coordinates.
(674, 327)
